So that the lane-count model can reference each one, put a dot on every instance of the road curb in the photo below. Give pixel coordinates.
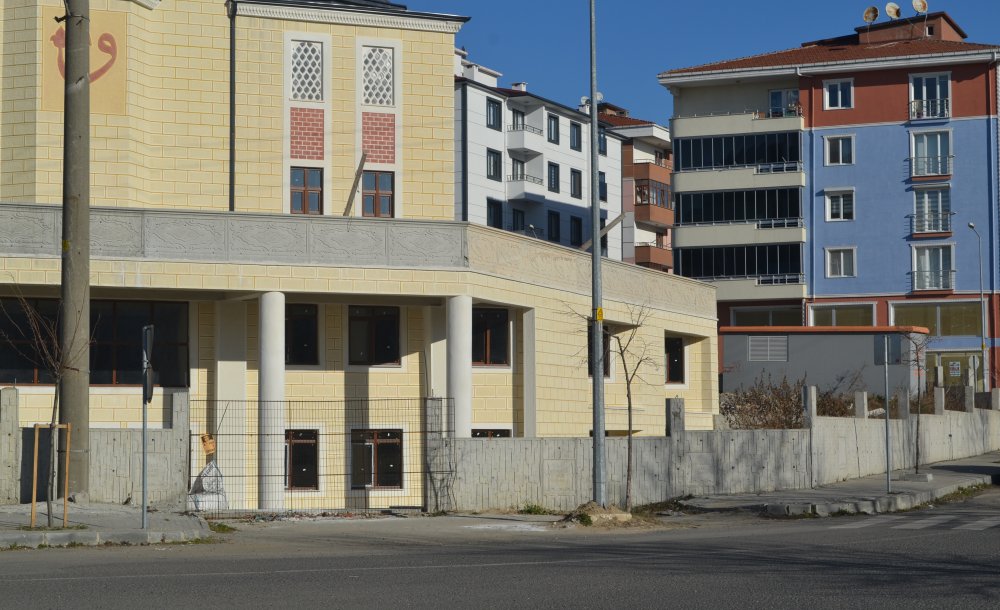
(33, 540)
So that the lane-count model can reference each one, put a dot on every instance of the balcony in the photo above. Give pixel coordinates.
(930, 109)
(765, 287)
(649, 170)
(930, 223)
(775, 175)
(750, 121)
(658, 216)
(525, 139)
(652, 255)
(933, 280)
(764, 231)
(525, 187)
(931, 166)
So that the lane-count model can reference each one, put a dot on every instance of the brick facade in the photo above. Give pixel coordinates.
(307, 133)
(378, 137)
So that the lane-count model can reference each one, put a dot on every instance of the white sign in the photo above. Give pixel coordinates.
(954, 369)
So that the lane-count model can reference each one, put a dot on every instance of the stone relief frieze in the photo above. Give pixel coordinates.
(350, 244)
(185, 237)
(116, 234)
(29, 231)
(427, 245)
(268, 239)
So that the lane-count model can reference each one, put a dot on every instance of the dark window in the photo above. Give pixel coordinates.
(21, 352)
(494, 112)
(602, 143)
(377, 194)
(373, 335)
(517, 220)
(575, 231)
(307, 190)
(376, 459)
(651, 192)
(675, 360)
(604, 237)
(607, 351)
(494, 213)
(517, 117)
(781, 260)
(116, 342)
(301, 334)
(602, 185)
(576, 183)
(490, 337)
(301, 459)
(553, 129)
(554, 177)
(739, 151)
(725, 207)
(575, 136)
(490, 433)
(494, 164)
(554, 234)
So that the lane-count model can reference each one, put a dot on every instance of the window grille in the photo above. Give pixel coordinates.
(378, 76)
(307, 71)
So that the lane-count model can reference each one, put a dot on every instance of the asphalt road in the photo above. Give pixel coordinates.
(944, 557)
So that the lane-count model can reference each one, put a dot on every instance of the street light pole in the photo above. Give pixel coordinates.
(597, 313)
(982, 309)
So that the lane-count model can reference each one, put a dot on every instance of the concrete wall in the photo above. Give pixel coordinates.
(476, 474)
(115, 458)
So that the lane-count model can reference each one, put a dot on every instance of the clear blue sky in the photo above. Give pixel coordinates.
(546, 42)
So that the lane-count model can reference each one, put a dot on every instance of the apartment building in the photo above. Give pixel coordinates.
(523, 162)
(647, 161)
(326, 314)
(839, 183)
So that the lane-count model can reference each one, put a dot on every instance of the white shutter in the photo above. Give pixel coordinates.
(768, 349)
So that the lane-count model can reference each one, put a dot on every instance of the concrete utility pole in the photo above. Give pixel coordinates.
(74, 314)
(597, 313)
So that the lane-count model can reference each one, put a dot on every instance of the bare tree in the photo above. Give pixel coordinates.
(917, 356)
(635, 354)
(34, 336)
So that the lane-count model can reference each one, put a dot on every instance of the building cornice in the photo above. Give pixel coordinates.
(341, 17)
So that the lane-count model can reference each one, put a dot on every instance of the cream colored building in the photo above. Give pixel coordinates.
(308, 326)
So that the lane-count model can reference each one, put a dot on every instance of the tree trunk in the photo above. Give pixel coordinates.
(53, 455)
(628, 451)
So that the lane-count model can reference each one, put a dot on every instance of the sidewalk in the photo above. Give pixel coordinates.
(867, 495)
(95, 524)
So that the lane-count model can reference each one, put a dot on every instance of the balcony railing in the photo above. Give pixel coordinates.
(779, 113)
(524, 178)
(527, 128)
(930, 223)
(930, 109)
(931, 166)
(527, 231)
(781, 280)
(779, 223)
(779, 168)
(934, 280)
(660, 163)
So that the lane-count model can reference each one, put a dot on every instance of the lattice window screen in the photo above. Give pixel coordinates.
(307, 71)
(378, 76)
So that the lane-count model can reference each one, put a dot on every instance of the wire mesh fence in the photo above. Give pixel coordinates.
(361, 455)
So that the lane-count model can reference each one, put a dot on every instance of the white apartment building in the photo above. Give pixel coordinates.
(522, 162)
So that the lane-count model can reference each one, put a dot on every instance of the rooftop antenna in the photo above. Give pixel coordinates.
(921, 7)
(871, 15)
(892, 10)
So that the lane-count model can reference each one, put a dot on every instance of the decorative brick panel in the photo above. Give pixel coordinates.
(378, 137)
(307, 133)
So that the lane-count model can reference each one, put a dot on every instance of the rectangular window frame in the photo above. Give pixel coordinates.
(376, 194)
(835, 205)
(368, 312)
(930, 108)
(553, 228)
(316, 316)
(290, 445)
(829, 152)
(576, 184)
(674, 360)
(945, 163)
(576, 231)
(369, 437)
(834, 253)
(494, 213)
(552, 124)
(936, 214)
(494, 165)
(489, 332)
(553, 177)
(947, 275)
(494, 114)
(305, 190)
(838, 104)
(575, 136)
(767, 348)
(833, 306)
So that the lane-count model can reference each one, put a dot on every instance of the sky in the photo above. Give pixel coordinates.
(546, 42)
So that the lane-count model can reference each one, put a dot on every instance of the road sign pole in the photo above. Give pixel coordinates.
(147, 395)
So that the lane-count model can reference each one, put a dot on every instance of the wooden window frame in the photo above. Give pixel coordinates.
(371, 438)
(377, 194)
(487, 337)
(305, 190)
(290, 444)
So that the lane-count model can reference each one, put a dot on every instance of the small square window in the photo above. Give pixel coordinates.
(553, 129)
(494, 114)
(840, 206)
(840, 150)
(378, 199)
(376, 459)
(306, 190)
(840, 262)
(838, 94)
(494, 165)
(373, 336)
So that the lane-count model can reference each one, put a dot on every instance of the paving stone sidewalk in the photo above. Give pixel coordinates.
(867, 495)
(96, 524)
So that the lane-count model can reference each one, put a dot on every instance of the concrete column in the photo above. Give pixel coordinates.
(435, 352)
(271, 414)
(970, 398)
(995, 399)
(230, 425)
(460, 364)
(528, 373)
(809, 398)
(861, 405)
(903, 400)
(675, 411)
(938, 400)
(10, 448)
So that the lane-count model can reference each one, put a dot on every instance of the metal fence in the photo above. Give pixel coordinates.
(360, 455)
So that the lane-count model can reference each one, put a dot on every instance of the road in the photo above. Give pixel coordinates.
(943, 557)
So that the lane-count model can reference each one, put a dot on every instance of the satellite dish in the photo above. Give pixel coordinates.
(892, 10)
(871, 14)
(920, 6)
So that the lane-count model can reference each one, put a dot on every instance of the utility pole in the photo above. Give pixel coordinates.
(74, 336)
(597, 313)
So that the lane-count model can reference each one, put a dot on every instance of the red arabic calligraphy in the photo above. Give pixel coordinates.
(106, 43)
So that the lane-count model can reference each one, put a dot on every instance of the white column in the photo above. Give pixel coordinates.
(271, 409)
(460, 364)
(230, 398)
(528, 375)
